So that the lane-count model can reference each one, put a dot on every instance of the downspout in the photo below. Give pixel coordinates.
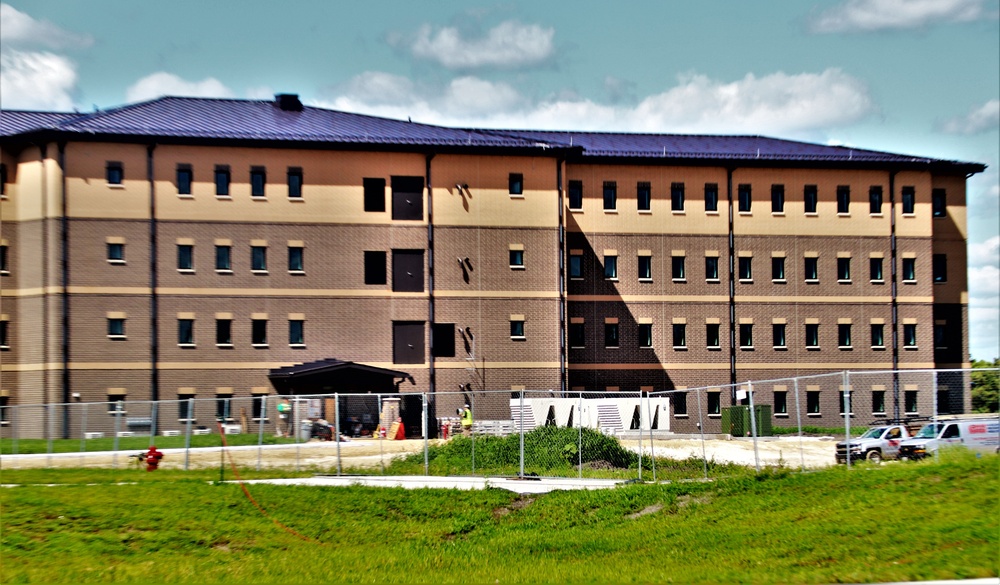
(893, 292)
(42, 155)
(154, 343)
(732, 289)
(430, 269)
(64, 278)
(561, 279)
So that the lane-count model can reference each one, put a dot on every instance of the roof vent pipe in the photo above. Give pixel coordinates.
(288, 102)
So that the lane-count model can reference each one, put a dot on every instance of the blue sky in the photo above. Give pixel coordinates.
(909, 76)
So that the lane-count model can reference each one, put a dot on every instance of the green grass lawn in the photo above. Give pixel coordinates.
(141, 443)
(895, 522)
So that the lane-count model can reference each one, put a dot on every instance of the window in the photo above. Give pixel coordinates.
(4, 339)
(943, 402)
(116, 328)
(223, 258)
(714, 403)
(645, 268)
(746, 335)
(3, 179)
(443, 339)
(185, 408)
(812, 269)
(258, 258)
(810, 198)
(224, 332)
(516, 259)
(610, 195)
(679, 400)
(712, 335)
(375, 267)
(778, 269)
(777, 198)
(577, 335)
(846, 404)
(258, 332)
(940, 268)
(878, 335)
(114, 173)
(223, 407)
(575, 266)
(517, 328)
(677, 197)
(878, 401)
(875, 200)
(408, 270)
(257, 407)
(116, 404)
(407, 342)
(295, 183)
(5, 268)
(910, 335)
(258, 179)
(780, 402)
(296, 258)
(611, 267)
(940, 336)
(408, 198)
(844, 269)
(185, 257)
(644, 196)
(185, 332)
(296, 332)
(778, 330)
(812, 335)
(680, 336)
(645, 335)
(677, 272)
(812, 401)
(746, 269)
(222, 181)
(909, 201)
(843, 199)
(712, 268)
(909, 269)
(515, 184)
(711, 197)
(185, 176)
(875, 267)
(745, 198)
(939, 207)
(374, 194)
(576, 194)
(910, 401)
(116, 254)
(844, 335)
(611, 335)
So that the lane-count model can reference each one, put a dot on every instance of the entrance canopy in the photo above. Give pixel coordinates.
(332, 375)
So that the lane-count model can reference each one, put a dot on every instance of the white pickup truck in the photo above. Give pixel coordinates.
(876, 444)
(978, 433)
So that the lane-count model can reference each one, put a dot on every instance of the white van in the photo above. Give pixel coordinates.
(979, 434)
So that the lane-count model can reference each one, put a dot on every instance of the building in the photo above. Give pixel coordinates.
(186, 247)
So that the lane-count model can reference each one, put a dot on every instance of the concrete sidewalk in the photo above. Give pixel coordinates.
(516, 485)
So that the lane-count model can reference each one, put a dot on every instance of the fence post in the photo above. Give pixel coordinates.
(798, 421)
(520, 430)
(152, 427)
(640, 435)
(701, 429)
(381, 430)
(295, 428)
(118, 421)
(652, 446)
(48, 435)
(426, 432)
(937, 452)
(16, 423)
(336, 425)
(753, 427)
(579, 434)
(262, 416)
(846, 406)
(472, 436)
(83, 433)
(187, 433)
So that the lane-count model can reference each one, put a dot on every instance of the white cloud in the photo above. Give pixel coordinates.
(510, 44)
(37, 81)
(873, 15)
(985, 254)
(982, 119)
(17, 29)
(260, 92)
(773, 104)
(984, 335)
(162, 83)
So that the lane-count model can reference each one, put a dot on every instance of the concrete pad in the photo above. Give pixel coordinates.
(516, 485)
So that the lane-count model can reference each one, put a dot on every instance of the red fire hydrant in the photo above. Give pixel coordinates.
(153, 457)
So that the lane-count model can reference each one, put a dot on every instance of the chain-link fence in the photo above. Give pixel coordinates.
(705, 432)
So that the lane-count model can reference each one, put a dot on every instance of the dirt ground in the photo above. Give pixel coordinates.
(371, 454)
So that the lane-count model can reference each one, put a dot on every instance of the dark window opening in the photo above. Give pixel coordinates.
(875, 267)
(812, 402)
(812, 269)
(712, 335)
(258, 180)
(185, 257)
(843, 199)
(185, 331)
(677, 271)
(223, 258)
(844, 335)
(375, 271)
(223, 331)
(296, 260)
(714, 403)
(746, 268)
(778, 331)
(677, 196)
(443, 339)
(878, 401)
(711, 197)
(258, 332)
(374, 194)
(940, 267)
(910, 400)
(116, 253)
(909, 200)
(939, 207)
(645, 335)
(778, 268)
(516, 258)
(185, 176)
(611, 267)
(116, 327)
(844, 269)
(611, 335)
(115, 173)
(296, 332)
(577, 336)
(258, 258)
(745, 198)
(878, 335)
(781, 402)
(517, 329)
(644, 196)
(575, 266)
(576, 194)
(610, 195)
(680, 335)
(812, 335)
(294, 182)
(679, 400)
(645, 267)
(910, 335)
(875, 199)
(746, 335)
(777, 198)
(515, 184)
(909, 269)
(222, 181)
(810, 195)
(711, 268)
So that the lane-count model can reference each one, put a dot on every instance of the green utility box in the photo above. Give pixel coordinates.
(736, 420)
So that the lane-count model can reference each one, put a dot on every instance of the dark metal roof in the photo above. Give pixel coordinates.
(263, 121)
(330, 365)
